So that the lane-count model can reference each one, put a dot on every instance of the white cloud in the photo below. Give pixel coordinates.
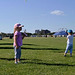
(57, 12)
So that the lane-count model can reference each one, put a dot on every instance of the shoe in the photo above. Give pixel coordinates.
(64, 55)
(16, 63)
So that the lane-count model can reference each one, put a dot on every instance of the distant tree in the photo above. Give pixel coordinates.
(29, 34)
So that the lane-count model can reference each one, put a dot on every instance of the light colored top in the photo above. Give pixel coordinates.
(70, 39)
(19, 38)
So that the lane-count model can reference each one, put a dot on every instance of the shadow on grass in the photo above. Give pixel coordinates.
(41, 48)
(6, 48)
(41, 62)
(38, 62)
(26, 48)
(31, 48)
(48, 64)
(6, 43)
(12, 44)
(10, 59)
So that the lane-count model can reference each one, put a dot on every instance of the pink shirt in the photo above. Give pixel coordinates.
(19, 38)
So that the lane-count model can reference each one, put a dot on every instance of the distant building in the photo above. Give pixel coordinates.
(42, 32)
(45, 32)
(37, 31)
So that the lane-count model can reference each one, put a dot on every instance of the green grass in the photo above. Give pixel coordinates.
(40, 56)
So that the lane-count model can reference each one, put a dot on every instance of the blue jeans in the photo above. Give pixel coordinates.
(17, 52)
(69, 47)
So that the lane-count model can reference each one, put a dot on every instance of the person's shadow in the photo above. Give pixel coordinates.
(37, 61)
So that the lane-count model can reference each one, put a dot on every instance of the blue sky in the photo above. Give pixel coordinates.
(37, 14)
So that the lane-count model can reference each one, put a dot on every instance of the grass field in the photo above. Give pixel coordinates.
(40, 56)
